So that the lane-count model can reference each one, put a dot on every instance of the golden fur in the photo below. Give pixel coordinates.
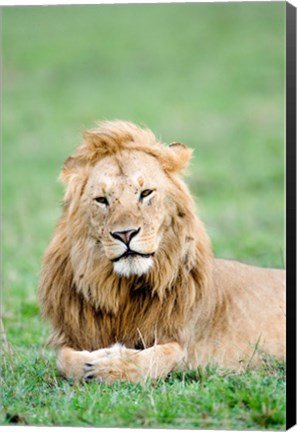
(170, 306)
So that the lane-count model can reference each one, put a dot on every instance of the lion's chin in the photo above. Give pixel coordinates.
(132, 266)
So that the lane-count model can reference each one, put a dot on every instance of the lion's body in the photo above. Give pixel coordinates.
(250, 313)
(124, 195)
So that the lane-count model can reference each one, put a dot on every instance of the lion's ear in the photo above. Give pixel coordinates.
(177, 146)
(74, 174)
(72, 165)
(181, 155)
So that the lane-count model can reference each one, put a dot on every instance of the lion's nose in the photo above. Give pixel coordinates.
(125, 236)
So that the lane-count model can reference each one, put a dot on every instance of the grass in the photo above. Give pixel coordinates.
(204, 398)
(210, 75)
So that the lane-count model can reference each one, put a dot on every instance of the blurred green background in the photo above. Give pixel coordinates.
(209, 75)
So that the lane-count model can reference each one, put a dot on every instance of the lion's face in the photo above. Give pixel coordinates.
(124, 204)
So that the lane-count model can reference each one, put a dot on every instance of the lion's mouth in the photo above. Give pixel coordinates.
(130, 253)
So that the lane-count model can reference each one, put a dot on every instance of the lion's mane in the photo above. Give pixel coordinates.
(96, 308)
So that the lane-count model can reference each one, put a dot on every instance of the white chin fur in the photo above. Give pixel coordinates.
(132, 266)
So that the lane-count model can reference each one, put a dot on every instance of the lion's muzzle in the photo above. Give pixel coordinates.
(131, 259)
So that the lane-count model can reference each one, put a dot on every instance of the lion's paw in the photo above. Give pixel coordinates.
(116, 363)
(106, 371)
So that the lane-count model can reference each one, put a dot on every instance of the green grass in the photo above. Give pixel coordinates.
(210, 75)
(205, 398)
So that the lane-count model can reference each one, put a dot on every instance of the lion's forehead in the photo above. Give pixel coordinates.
(116, 185)
(132, 172)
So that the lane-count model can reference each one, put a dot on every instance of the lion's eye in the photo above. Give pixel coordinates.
(102, 200)
(146, 193)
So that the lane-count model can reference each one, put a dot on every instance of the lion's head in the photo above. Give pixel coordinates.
(124, 194)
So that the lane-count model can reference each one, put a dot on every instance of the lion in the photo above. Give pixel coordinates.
(129, 281)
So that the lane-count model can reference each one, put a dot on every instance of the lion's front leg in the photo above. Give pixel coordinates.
(121, 364)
